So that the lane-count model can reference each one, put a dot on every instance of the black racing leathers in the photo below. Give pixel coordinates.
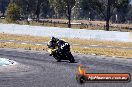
(63, 48)
(62, 51)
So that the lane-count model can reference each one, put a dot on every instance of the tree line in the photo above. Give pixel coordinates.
(117, 11)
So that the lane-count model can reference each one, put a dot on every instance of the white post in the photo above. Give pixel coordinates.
(89, 16)
(116, 18)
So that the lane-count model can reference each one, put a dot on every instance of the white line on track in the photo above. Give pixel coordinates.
(124, 47)
(76, 44)
(109, 46)
(85, 47)
(8, 42)
(23, 43)
(38, 44)
(11, 40)
(94, 45)
(26, 41)
(94, 54)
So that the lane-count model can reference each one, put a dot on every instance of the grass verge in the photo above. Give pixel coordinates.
(81, 42)
(23, 46)
(104, 51)
(98, 51)
(23, 38)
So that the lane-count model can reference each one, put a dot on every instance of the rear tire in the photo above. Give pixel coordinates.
(56, 57)
(71, 58)
(58, 60)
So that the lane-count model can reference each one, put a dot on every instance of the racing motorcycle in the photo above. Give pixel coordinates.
(61, 56)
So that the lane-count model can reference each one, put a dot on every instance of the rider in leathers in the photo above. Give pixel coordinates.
(62, 47)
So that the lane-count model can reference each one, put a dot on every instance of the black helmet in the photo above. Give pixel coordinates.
(54, 39)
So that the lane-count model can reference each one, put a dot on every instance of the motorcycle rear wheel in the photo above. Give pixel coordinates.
(70, 57)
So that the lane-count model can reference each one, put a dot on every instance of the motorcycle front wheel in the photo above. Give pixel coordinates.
(57, 58)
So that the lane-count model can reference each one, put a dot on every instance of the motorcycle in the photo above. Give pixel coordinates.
(61, 56)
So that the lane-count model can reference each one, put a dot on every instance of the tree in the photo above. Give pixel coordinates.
(3, 5)
(122, 11)
(106, 8)
(63, 7)
(27, 7)
(33, 8)
(41, 5)
(129, 14)
(13, 12)
(46, 10)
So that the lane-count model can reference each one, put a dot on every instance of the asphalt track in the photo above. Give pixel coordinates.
(38, 69)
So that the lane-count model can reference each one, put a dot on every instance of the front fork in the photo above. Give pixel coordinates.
(52, 53)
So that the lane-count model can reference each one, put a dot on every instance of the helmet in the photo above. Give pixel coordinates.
(53, 39)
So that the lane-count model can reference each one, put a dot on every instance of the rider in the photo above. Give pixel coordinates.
(62, 46)
(52, 43)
